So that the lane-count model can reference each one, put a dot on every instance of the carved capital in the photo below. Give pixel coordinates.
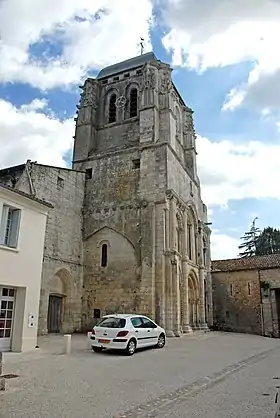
(169, 194)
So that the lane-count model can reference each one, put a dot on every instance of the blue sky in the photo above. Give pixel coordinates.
(228, 73)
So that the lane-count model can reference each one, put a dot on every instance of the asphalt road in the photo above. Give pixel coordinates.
(213, 375)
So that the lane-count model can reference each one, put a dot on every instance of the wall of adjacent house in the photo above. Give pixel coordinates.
(63, 249)
(63, 255)
(270, 290)
(237, 301)
(21, 266)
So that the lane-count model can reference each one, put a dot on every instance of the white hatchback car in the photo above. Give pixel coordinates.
(126, 332)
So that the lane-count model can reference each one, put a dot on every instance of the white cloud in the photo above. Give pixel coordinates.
(27, 133)
(92, 34)
(223, 246)
(219, 33)
(237, 171)
(233, 172)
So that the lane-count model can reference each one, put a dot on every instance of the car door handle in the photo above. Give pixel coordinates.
(136, 330)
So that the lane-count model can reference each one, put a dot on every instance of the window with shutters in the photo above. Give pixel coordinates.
(112, 108)
(133, 103)
(9, 227)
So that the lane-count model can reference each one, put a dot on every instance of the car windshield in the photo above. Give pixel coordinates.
(112, 322)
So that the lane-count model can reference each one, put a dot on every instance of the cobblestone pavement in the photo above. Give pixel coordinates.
(151, 383)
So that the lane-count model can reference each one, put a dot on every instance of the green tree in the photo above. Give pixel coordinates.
(268, 242)
(248, 246)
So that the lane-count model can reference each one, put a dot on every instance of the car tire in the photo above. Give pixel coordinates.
(97, 349)
(131, 347)
(161, 341)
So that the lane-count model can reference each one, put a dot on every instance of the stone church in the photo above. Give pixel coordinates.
(128, 232)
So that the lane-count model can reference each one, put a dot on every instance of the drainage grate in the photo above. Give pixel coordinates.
(9, 376)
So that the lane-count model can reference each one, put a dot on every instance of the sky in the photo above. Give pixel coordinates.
(225, 65)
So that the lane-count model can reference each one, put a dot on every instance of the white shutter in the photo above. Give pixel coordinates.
(13, 238)
(3, 224)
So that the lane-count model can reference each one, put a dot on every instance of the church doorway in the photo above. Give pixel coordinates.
(54, 314)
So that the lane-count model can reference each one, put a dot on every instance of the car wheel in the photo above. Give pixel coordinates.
(130, 348)
(161, 341)
(97, 349)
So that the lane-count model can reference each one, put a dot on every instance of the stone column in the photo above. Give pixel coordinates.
(172, 224)
(173, 267)
(169, 305)
(168, 277)
(194, 319)
(203, 324)
(176, 298)
(185, 287)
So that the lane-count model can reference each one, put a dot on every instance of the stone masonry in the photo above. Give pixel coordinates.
(246, 295)
(135, 139)
(62, 272)
(128, 232)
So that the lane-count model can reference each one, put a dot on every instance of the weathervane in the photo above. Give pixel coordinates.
(142, 45)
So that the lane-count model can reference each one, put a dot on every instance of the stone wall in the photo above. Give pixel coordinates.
(236, 301)
(63, 249)
(246, 294)
(270, 290)
(63, 243)
(116, 212)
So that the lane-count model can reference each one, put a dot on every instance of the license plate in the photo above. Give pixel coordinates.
(103, 341)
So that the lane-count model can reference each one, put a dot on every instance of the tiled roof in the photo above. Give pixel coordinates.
(250, 263)
(126, 65)
(28, 196)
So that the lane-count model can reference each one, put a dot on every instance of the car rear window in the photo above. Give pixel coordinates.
(112, 323)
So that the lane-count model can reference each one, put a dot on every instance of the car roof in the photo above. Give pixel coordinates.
(123, 316)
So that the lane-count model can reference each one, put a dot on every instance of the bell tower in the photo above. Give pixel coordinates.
(142, 208)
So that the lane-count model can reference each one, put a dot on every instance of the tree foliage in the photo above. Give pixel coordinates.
(268, 241)
(248, 246)
(257, 242)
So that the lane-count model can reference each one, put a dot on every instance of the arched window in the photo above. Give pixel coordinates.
(112, 108)
(104, 255)
(133, 103)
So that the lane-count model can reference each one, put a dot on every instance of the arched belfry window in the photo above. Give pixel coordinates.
(133, 108)
(104, 255)
(112, 108)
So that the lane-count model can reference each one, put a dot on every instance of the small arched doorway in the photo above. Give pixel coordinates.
(57, 296)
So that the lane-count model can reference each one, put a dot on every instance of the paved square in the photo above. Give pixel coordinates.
(86, 384)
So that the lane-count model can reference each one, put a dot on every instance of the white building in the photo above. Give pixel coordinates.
(22, 233)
